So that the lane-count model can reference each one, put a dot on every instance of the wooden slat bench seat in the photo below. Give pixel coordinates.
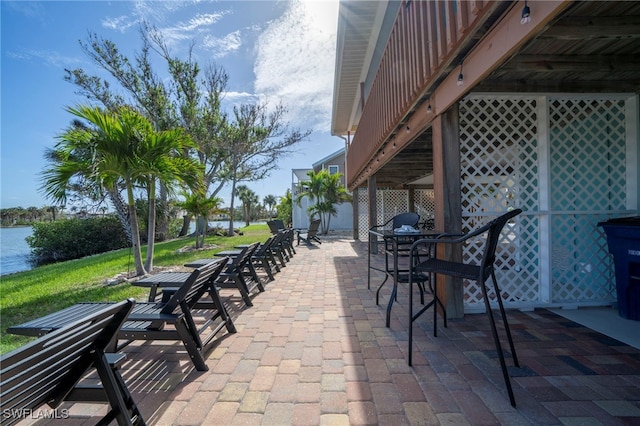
(49, 369)
(174, 319)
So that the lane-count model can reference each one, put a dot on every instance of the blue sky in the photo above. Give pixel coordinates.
(278, 51)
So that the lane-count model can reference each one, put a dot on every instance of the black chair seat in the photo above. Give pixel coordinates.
(445, 267)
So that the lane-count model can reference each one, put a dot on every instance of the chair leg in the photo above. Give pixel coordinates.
(434, 303)
(386, 276)
(222, 310)
(244, 290)
(504, 320)
(410, 356)
(274, 261)
(437, 301)
(123, 408)
(496, 339)
(265, 265)
(190, 346)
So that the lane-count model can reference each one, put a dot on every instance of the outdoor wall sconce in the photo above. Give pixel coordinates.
(526, 14)
(429, 105)
(460, 76)
(408, 129)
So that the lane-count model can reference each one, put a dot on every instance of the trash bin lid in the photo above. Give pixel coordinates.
(626, 221)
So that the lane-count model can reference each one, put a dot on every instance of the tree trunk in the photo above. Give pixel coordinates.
(233, 190)
(162, 225)
(135, 232)
(201, 229)
(151, 231)
(186, 221)
(121, 211)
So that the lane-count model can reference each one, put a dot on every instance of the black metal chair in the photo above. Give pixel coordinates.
(480, 273)
(399, 220)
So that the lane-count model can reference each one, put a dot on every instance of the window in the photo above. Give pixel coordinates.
(333, 170)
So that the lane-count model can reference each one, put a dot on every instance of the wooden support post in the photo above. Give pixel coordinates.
(356, 214)
(411, 195)
(373, 210)
(448, 204)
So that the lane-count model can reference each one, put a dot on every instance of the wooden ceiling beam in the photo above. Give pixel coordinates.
(500, 84)
(572, 63)
(590, 28)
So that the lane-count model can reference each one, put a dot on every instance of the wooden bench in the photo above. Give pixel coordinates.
(149, 320)
(49, 369)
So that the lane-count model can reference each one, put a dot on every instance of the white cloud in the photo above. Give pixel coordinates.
(295, 62)
(201, 21)
(121, 23)
(50, 58)
(224, 45)
(198, 25)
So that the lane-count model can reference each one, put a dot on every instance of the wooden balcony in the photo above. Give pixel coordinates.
(425, 44)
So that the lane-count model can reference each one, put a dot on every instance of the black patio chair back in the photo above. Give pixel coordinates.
(408, 218)
(479, 273)
(310, 234)
(275, 225)
(49, 370)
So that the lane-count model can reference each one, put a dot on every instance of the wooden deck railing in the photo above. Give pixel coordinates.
(426, 37)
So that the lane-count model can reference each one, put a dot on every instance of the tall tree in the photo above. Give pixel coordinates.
(325, 190)
(199, 205)
(256, 141)
(269, 202)
(125, 152)
(249, 200)
(285, 208)
(190, 98)
(161, 163)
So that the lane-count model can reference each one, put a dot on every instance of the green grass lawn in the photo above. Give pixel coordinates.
(32, 294)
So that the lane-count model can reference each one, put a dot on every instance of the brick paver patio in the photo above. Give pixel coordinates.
(314, 350)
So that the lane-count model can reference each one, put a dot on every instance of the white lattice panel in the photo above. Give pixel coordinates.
(582, 269)
(588, 162)
(424, 202)
(363, 214)
(391, 202)
(499, 171)
(588, 174)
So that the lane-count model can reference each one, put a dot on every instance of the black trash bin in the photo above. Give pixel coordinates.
(623, 239)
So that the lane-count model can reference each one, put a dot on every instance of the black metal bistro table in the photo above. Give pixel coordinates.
(395, 244)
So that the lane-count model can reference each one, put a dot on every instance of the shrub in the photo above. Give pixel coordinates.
(75, 238)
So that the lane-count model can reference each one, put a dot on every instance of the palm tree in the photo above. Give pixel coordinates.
(327, 191)
(285, 208)
(161, 162)
(269, 201)
(249, 199)
(119, 150)
(200, 206)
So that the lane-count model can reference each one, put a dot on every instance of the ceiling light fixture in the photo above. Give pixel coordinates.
(526, 14)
